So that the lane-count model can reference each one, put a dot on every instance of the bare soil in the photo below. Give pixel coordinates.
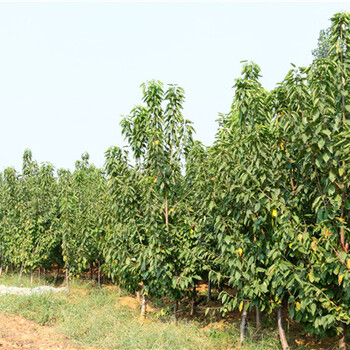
(19, 333)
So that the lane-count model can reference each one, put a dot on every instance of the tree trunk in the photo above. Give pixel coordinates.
(99, 274)
(21, 271)
(143, 307)
(176, 311)
(138, 296)
(258, 318)
(57, 273)
(6, 269)
(193, 303)
(39, 272)
(0, 270)
(243, 324)
(220, 304)
(282, 334)
(67, 280)
(91, 269)
(31, 276)
(120, 290)
(44, 272)
(209, 291)
(166, 210)
(342, 344)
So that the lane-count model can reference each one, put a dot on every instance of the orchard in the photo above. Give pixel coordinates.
(262, 215)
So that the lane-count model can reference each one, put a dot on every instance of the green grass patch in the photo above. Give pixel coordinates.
(95, 317)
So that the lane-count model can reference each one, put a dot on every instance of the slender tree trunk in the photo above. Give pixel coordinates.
(258, 318)
(243, 324)
(21, 271)
(342, 344)
(91, 269)
(31, 276)
(138, 296)
(119, 289)
(0, 270)
(57, 272)
(67, 280)
(220, 304)
(166, 209)
(99, 274)
(176, 312)
(342, 231)
(143, 307)
(193, 303)
(282, 334)
(209, 291)
(44, 271)
(6, 269)
(39, 272)
(12, 267)
(343, 243)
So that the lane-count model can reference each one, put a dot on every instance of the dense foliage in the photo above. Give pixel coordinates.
(263, 214)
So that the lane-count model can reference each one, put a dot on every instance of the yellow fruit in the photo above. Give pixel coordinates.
(240, 251)
(314, 246)
(297, 304)
(274, 213)
(155, 179)
(282, 148)
(156, 142)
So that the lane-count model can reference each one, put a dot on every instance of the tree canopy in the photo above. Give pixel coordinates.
(263, 214)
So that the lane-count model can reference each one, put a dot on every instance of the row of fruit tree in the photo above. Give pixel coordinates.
(263, 214)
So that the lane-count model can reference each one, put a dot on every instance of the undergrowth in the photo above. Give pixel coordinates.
(97, 318)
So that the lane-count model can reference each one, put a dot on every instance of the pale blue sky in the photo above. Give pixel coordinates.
(68, 71)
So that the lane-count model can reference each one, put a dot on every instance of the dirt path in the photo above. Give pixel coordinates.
(19, 333)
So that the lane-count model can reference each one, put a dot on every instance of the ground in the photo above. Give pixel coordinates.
(19, 333)
(109, 318)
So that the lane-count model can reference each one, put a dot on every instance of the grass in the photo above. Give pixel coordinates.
(98, 318)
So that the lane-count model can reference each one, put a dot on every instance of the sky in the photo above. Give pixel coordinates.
(69, 71)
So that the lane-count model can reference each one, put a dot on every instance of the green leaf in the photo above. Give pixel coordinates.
(321, 143)
(331, 176)
(325, 157)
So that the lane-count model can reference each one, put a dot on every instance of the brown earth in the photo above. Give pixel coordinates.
(19, 333)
